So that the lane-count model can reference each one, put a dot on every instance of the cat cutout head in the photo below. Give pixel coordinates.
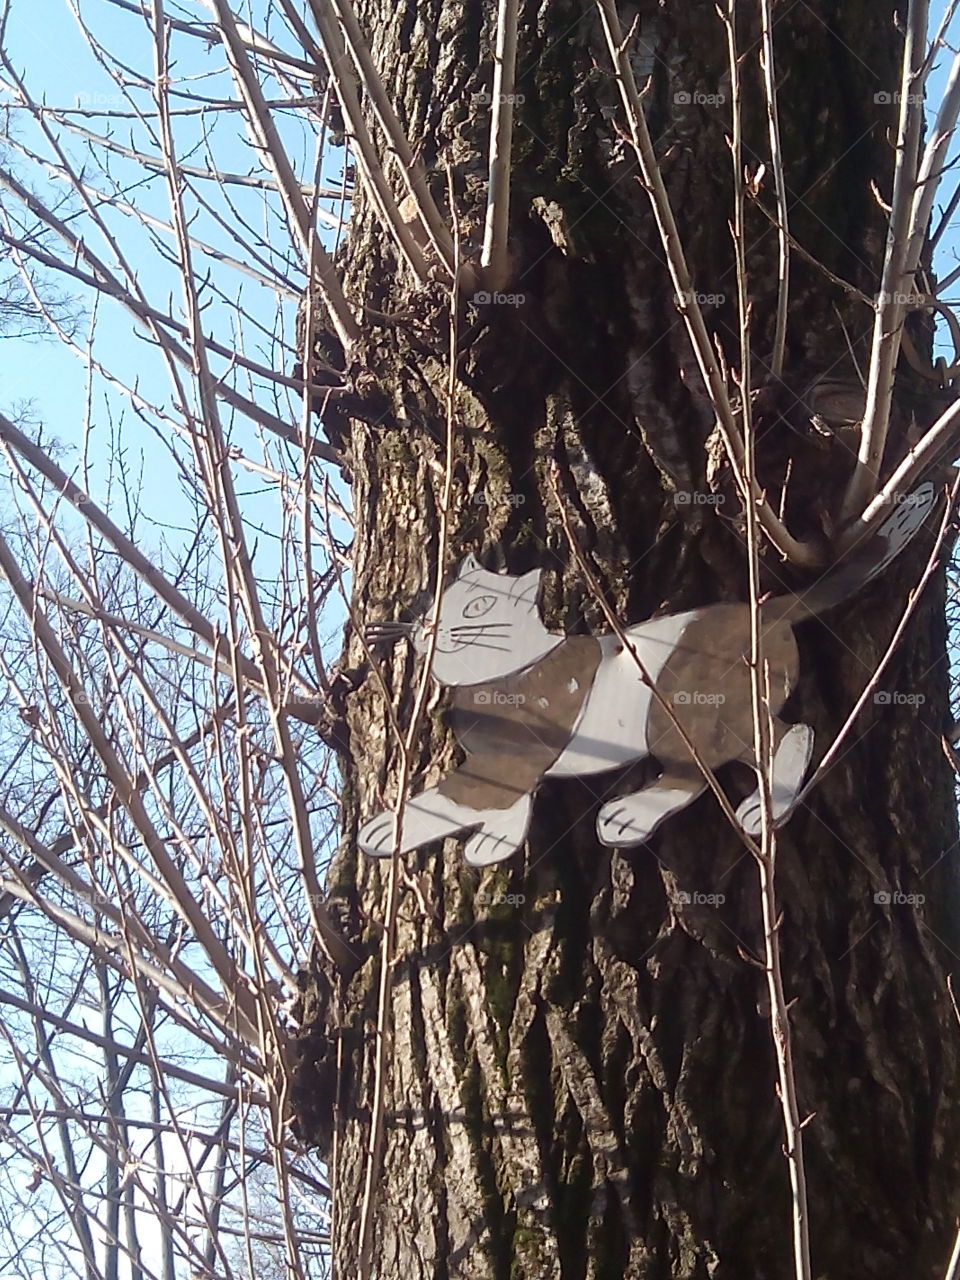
(489, 626)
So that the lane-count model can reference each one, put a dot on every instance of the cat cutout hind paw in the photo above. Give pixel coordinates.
(528, 703)
(790, 764)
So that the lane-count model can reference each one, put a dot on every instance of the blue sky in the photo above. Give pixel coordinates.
(48, 376)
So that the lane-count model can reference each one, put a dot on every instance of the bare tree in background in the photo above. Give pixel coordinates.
(644, 296)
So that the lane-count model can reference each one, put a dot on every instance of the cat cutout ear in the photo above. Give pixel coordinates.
(469, 564)
(528, 588)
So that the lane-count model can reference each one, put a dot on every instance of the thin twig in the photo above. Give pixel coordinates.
(156, 165)
(776, 158)
(141, 564)
(369, 166)
(896, 279)
(267, 140)
(931, 171)
(177, 891)
(932, 448)
(106, 282)
(495, 259)
(763, 744)
(621, 633)
(213, 459)
(411, 168)
(953, 1268)
(252, 40)
(901, 627)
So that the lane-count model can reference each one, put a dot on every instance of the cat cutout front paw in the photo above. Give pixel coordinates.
(433, 816)
(529, 703)
(427, 817)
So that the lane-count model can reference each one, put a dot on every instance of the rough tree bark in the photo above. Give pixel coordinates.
(584, 1085)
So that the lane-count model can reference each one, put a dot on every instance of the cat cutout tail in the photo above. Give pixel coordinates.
(862, 565)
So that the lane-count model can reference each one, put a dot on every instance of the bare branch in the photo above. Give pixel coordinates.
(776, 158)
(798, 553)
(267, 141)
(251, 40)
(411, 168)
(213, 462)
(137, 561)
(106, 282)
(896, 284)
(369, 167)
(495, 256)
(763, 740)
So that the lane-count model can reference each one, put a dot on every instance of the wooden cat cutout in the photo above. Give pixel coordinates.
(529, 703)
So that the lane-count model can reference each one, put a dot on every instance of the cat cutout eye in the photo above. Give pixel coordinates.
(528, 703)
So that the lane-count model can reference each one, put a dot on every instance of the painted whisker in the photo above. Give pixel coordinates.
(478, 627)
(480, 642)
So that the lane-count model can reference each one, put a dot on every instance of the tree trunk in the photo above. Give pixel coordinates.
(582, 1082)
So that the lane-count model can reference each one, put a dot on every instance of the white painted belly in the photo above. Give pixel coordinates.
(612, 726)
